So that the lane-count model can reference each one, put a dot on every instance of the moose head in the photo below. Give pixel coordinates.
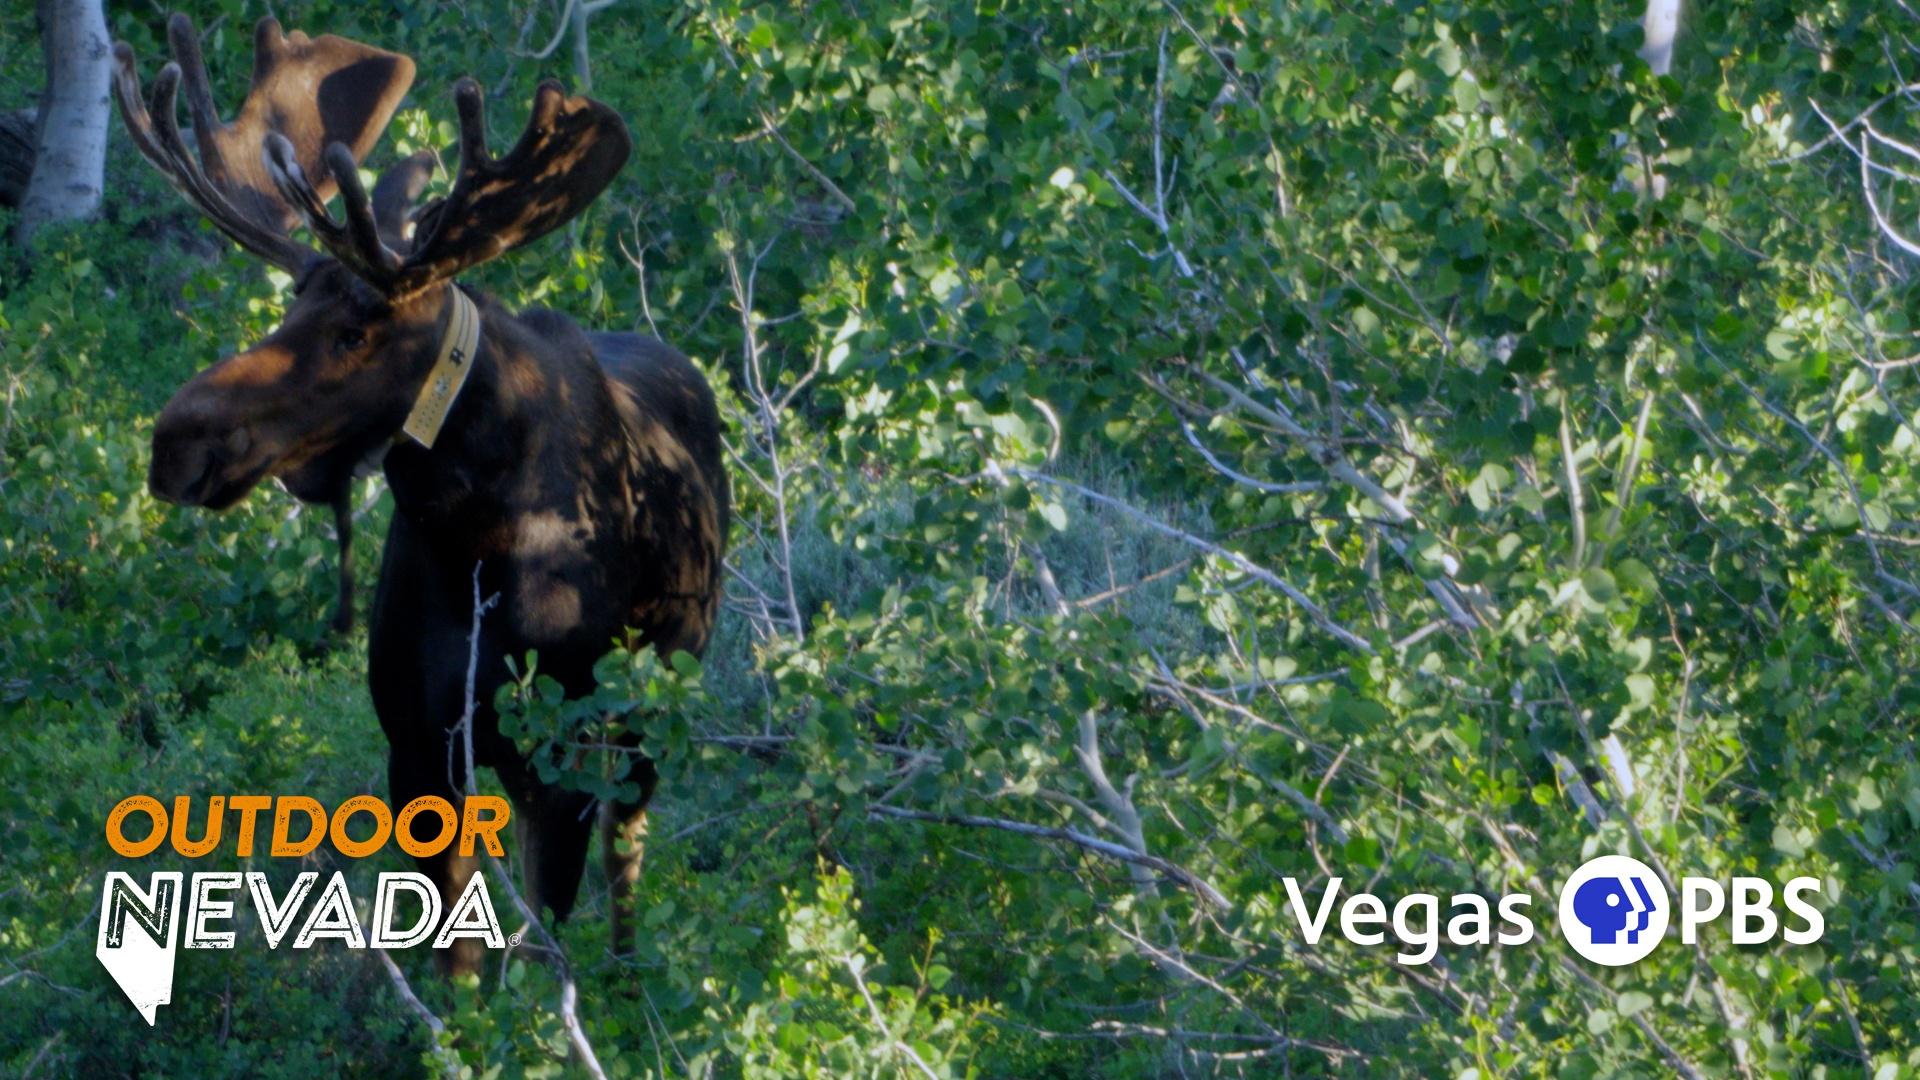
(335, 383)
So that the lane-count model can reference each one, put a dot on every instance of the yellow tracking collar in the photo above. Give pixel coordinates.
(449, 372)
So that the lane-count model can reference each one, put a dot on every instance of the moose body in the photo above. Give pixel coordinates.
(582, 475)
(576, 479)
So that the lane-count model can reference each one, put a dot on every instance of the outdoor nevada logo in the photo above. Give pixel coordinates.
(142, 929)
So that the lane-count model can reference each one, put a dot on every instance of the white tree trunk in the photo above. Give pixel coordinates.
(70, 158)
(582, 63)
(1660, 26)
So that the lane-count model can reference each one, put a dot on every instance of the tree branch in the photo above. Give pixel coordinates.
(1239, 561)
(1106, 848)
(449, 1061)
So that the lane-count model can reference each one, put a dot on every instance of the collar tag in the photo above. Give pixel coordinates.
(449, 372)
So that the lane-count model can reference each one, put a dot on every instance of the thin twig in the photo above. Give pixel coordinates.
(449, 1061)
(569, 993)
(1239, 561)
(1575, 500)
(1107, 848)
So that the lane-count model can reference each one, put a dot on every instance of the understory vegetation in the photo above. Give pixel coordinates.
(1176, 447)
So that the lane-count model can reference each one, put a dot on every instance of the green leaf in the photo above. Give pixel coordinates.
(1640, 691)
(1786, 842)
(1466, 93)
(1866, 795)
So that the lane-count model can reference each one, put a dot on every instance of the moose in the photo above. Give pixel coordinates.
(575, 476)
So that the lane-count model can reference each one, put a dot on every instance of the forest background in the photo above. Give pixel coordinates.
(1416, 443)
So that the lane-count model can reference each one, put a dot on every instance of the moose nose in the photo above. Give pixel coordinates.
(193, 459)
(183, 470)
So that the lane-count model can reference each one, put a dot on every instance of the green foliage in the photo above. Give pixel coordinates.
(86, 544)
(825, 1001)
(1052, 338)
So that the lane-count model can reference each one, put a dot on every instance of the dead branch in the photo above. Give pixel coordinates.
(449, 1061)
(1105, 848)
(569, 993)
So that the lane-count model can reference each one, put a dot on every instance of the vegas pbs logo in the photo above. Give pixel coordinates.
(1614, 910)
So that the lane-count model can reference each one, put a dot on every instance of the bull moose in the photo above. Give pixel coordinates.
(580, 472)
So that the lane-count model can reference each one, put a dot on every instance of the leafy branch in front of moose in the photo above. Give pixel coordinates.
(573, 741)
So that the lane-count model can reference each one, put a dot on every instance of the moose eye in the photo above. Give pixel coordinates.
(351, 338)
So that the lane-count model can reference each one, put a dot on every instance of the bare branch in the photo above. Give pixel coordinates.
(880, 1021)
(1575, 500)
(1298, 488)
(569, 993)
(1873, 205)
(449, 1061)
(772, 130)
(1839, 131)
(1882, 863)
(1239, 561)
(559, 35)
(1681, 1065)
(1106, 848)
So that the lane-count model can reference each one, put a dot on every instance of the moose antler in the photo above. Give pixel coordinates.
(570, 151)
(314, 95)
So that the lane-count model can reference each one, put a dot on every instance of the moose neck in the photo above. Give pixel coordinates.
(509, 445)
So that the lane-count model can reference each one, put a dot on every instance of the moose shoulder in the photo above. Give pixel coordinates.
(580, 473)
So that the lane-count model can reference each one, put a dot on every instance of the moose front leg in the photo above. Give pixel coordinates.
(410, 774)
(623, 833)
(343, 530)
(553, 826)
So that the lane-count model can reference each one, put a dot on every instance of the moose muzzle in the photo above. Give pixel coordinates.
(198, 461)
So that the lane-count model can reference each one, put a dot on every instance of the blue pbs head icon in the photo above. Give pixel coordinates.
(1613, 910)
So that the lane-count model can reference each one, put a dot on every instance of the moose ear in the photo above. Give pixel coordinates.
(393, 197)
(312, 91)
(309, 92)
